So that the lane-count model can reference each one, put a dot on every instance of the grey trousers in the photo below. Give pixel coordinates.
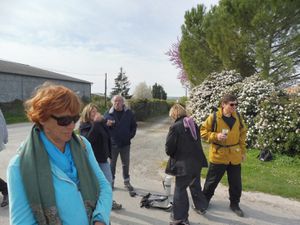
(124, 152)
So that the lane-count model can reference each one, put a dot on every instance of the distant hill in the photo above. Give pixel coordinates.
(172, 98)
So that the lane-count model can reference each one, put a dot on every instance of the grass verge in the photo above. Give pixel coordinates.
(13, 112)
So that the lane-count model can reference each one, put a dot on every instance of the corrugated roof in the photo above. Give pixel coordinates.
(27, 70)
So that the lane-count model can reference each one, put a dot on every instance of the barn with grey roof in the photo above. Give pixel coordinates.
(18, 81)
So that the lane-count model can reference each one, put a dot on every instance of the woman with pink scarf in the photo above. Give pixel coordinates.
(183, 145)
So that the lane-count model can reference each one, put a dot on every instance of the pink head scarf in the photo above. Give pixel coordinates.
(189, 123)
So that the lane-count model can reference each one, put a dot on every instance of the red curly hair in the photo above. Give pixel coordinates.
(50, 99)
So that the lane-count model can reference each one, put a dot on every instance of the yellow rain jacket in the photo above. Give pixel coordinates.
(230, 150)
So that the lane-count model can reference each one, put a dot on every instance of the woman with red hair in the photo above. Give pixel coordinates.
(55, 178)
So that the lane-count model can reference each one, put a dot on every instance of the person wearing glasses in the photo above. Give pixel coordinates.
(93, 127)
(55, 178)
(227, 138)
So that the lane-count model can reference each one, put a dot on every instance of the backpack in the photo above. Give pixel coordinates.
(156, 201)
(214, 122)
(265, 155)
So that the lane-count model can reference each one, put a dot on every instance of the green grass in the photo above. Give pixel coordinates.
(278, 177)
(13, 112)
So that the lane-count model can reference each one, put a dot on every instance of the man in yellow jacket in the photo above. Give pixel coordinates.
(225, 130)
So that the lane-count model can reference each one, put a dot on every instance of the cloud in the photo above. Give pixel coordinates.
(87, 39)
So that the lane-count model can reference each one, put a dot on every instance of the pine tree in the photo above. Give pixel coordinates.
(158, 92)
(121, 85)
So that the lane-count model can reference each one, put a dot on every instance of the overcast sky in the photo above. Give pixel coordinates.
(88, 38)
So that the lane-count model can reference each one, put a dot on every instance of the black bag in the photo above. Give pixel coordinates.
(265, 155)
(171, 168)
(149, 198)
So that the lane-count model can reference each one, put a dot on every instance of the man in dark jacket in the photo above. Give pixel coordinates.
(122, 126)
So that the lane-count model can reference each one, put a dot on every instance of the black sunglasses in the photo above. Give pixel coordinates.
(65, 120)
(233, 104)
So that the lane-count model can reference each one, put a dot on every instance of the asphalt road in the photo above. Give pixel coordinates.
(147, 155)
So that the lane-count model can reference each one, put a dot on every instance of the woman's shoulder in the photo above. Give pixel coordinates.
(179, 121)
(14, 162)
(178, 124)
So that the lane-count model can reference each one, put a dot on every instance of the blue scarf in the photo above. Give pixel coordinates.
(63, 161)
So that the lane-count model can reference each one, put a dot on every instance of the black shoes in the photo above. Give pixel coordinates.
(180, 222)
(116, 206)
(4, 201)
(199, 211)
(237, 210)
(129, 187)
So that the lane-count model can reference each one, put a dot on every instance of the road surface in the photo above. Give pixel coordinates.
(147, 155)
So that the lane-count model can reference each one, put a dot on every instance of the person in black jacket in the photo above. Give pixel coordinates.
(92, 126)
(3, 190)
(183, 145)
(122, 126)
(3, 141)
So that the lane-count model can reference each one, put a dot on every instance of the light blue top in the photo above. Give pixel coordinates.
(63, 160)
(68, 198)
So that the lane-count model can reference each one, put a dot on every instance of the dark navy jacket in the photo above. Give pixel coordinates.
(124, 128)
(98, 135)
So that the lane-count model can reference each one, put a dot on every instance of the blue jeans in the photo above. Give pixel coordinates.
(105, 167)
(125, 156)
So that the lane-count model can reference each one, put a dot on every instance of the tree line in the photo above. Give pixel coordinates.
(142, 91)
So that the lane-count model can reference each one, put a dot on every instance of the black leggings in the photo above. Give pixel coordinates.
(181, 201)
(3, 187)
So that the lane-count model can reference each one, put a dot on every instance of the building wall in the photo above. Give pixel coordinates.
(21, 87)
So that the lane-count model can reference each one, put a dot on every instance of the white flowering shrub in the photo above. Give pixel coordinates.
(251, 92)
(208, 94)
(278, 125)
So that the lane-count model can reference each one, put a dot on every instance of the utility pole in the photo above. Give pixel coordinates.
(186, 88)
(105, 90)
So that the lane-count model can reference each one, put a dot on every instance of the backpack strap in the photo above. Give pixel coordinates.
(240, 119)
(214, 122)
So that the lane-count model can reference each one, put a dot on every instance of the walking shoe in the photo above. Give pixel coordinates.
(199, 211)
(128, 186)
(4, 201)
(180, 222)
(237, 210)
(116, 206)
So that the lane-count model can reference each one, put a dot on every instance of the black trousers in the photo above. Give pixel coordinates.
(3, 187)
(181, 201)
(215, 174)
